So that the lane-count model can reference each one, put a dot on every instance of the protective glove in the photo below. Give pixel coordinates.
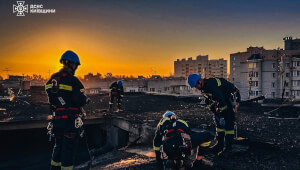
(221, 121)
(88, 100)
(220, 110)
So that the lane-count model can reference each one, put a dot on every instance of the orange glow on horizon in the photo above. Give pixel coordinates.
(41, 54)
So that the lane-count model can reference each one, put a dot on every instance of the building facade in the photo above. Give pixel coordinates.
(272, 73)
(201, 65)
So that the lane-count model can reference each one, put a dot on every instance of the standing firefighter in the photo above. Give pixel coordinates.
(66, 96)
(222, 98)
(176, 138)
(116, 91)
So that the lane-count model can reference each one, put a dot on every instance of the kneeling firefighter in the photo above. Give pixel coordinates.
(66, 97)
(176, 139)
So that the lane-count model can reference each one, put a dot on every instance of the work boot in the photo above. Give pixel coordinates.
(203, 163)
(227, 152)
(218, 147)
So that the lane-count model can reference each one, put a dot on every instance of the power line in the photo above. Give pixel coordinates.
(7, 70)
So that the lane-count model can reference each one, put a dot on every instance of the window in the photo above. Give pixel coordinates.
(273, 85)
(273, 75)
(296, 63)
(296, 73)
(287, 65)
(251, 74)
(295, 83)
(253, 83)
(286, 84)
(296, 93)
(233, 58)
(232, 79)
(286, 93)
(256, 93)
(252, 65)
(233, 68)
(273, 65)
(273, 94)
(287, 74)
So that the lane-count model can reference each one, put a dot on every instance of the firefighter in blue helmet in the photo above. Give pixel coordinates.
(65, 93)
(222, 98)
(177, 139)
(116, 91)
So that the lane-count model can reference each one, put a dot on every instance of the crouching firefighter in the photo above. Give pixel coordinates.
(66, 97)
(222, 98)
(116, 91)
(174, 138)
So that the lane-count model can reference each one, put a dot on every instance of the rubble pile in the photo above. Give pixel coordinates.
(270, 140)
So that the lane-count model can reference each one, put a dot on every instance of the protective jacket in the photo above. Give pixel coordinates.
(219, 93)
(168, 128)
(116, 90)
(66, 96)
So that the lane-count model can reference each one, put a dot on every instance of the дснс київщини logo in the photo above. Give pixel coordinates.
(20, 8)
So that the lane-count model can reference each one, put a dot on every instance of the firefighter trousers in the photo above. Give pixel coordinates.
(112, 98)
(64, 150)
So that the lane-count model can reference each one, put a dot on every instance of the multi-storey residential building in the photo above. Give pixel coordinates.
(272, 73)
(203, 66)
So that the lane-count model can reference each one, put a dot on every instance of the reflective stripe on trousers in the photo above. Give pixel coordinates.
(66, 167)
(53, 163)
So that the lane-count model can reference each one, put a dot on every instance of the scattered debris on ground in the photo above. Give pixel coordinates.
(270, 141)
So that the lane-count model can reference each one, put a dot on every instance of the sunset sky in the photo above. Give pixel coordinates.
(139, 37)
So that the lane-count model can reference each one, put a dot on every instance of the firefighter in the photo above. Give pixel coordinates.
(66, 97)
(116, 91)
(171, 133)
(222, 98)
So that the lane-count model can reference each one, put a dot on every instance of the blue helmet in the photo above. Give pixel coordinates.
(120, 83)
(193, 79)
(71, 56)
(168, 113)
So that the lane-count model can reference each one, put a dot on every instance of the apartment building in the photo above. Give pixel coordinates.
(201, 65)
(272, 73)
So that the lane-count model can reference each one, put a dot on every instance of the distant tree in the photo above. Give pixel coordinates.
(37, 77)
(99, 75)
(117, 76)
(27, 78)
(1, 78)
(109, 75)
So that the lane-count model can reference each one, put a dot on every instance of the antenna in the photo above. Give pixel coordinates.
(7, 70)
